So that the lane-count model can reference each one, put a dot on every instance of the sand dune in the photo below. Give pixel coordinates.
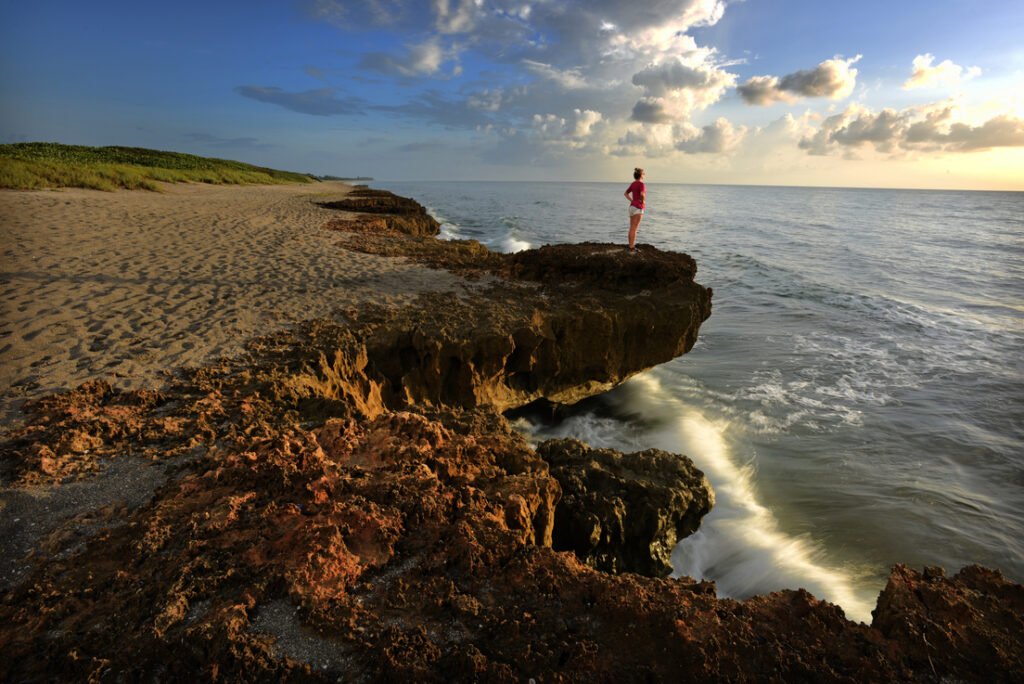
(126, 285)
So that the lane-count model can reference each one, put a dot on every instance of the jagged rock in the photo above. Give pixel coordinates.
(951, 625)
(405, 551)
(597, 314)
(504, 351)
(625, 512)
(576, 333)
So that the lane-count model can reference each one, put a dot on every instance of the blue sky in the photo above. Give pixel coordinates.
(898, 94)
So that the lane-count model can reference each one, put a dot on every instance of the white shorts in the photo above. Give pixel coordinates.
(633, 211)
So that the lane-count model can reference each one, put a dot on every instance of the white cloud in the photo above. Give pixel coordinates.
(455, 16)
(652, 141)
(571, 129)
(646, 141)
(651, 110)
(585, 122)
(569, 79)
(832, 78)
(425, 58)
(764, 91)
(677, 84)
(486, 100)
(944, 73)
(574, 74)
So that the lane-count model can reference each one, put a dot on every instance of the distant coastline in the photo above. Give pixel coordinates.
(340, 178)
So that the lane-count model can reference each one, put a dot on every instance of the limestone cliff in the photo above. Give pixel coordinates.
(513, 347)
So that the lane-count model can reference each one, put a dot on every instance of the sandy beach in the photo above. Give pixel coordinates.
(127, 285)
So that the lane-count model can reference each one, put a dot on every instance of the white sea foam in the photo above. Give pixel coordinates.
(511, 241)
(511, 245)
(740, 545)
(449, 231)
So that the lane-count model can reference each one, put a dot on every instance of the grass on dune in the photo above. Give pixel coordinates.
(52, 165)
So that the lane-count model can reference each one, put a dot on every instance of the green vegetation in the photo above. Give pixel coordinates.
(52, 165)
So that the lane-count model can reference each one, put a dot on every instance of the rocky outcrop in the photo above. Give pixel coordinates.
(605, 315)
(346, 502)
(624, 512)
(570, 338)
(604, 265)
(382, 211)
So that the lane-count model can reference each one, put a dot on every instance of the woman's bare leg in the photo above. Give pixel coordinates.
(634, 222)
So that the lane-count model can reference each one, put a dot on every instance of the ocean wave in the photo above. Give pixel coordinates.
(740, 546)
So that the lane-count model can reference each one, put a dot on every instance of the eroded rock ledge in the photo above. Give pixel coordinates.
(382, 211)
(353, 506)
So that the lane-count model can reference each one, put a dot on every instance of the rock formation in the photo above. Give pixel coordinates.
(345, 502)
(624, 512)
(380, 210)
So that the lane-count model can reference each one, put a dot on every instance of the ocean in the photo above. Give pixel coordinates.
(856, 398)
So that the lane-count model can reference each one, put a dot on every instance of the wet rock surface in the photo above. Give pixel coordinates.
(625, 512)
(346, 502)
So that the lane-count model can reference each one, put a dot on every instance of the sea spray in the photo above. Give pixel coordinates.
(740, 546)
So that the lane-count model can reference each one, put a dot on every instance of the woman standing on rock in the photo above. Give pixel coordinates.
(636, 204)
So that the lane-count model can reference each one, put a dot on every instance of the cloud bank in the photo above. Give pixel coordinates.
(933, 128)
(535, 82)
(568, 76)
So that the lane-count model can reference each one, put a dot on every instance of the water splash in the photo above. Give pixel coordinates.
(740, 544)
(511, 245)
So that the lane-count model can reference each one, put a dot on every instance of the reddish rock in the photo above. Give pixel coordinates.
(967, 626)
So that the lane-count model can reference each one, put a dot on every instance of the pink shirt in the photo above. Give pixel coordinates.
(637, 190)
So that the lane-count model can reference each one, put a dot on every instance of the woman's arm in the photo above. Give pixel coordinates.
(626, 194)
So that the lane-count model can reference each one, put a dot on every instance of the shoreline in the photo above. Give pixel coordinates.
(343, 499)
(128, 284)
